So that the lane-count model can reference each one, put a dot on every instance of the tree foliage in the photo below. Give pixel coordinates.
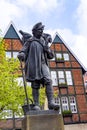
(12, 95)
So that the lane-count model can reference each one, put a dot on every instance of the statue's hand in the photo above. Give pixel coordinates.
(21, 56)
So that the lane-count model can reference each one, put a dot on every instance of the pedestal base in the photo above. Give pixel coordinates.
(43, 120)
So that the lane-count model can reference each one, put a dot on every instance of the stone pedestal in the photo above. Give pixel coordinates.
(43, 120)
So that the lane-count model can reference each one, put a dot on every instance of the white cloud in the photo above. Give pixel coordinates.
(81, 16)
(22, 10)
(8, 11)
(42, 6)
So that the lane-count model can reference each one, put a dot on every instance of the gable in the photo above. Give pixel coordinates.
(11, 33)
(57, 39)
(60, 47)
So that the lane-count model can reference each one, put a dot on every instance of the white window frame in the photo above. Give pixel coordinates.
(66, 56)
(72, 102)
(59, 55)
(57, 101)
(54, 78)
(8, 54)
(7, 114)
(20, 81)
(61, 77)
(68, 77)
(65, 105)
(15, 53)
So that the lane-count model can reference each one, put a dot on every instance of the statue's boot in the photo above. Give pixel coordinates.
(49, 93)
(35, 94)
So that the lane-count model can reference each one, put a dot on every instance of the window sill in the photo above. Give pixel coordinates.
(59, 61)
(63, 85)
(67, 115)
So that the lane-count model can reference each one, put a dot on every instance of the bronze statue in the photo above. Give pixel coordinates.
(35, 53)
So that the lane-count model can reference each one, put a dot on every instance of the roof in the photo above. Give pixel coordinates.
(57, 39)
(11, 32)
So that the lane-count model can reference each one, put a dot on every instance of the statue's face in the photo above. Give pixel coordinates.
(38, 33)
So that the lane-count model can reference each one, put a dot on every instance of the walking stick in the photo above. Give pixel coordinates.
(24, 81)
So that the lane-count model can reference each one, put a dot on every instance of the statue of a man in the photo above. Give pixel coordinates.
(35, 53)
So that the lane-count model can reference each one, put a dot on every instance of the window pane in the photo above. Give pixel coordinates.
(65, 105)
(66, 56)
(29, 84)
(54, 78)
(7, 114)
(15, 54)
(59, 55)
(69, 77)
(60, 74)
(61, 77)
(57, 100)
(61, 81)
(20, 81)
(8, 54)
(73, 104)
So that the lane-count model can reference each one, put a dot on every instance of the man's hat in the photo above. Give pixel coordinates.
(38, 26)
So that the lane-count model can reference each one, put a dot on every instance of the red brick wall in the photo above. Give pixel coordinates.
(77, 76)
(82, 103)
(11, 44)
(57, 47)
(8, 124)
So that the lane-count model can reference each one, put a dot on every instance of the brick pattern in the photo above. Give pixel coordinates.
(67, 64)
(8, 124)
(71, 90)
(77, 76)
(82, 103)
(12, 44)
(75, 118)
(64, 48)
(52, 64)
(83, 117)
(75, 64)
(79, 89)
(57, 47)
(63, 91)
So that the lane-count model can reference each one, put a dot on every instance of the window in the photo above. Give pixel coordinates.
(58, 55)
(57, 100)
(66, 56)
(69, 77)
(73, 104)
(86, 83)
(29, 84)
(85, 86)
(7, 114)
(54, 78)
(65, 105)
(53, 59)
(20, 81)
(61, 77)
(8, 54)
(15, 54)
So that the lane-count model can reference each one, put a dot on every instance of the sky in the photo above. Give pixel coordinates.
(66, 17)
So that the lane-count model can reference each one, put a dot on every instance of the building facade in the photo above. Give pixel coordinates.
(67, 78)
